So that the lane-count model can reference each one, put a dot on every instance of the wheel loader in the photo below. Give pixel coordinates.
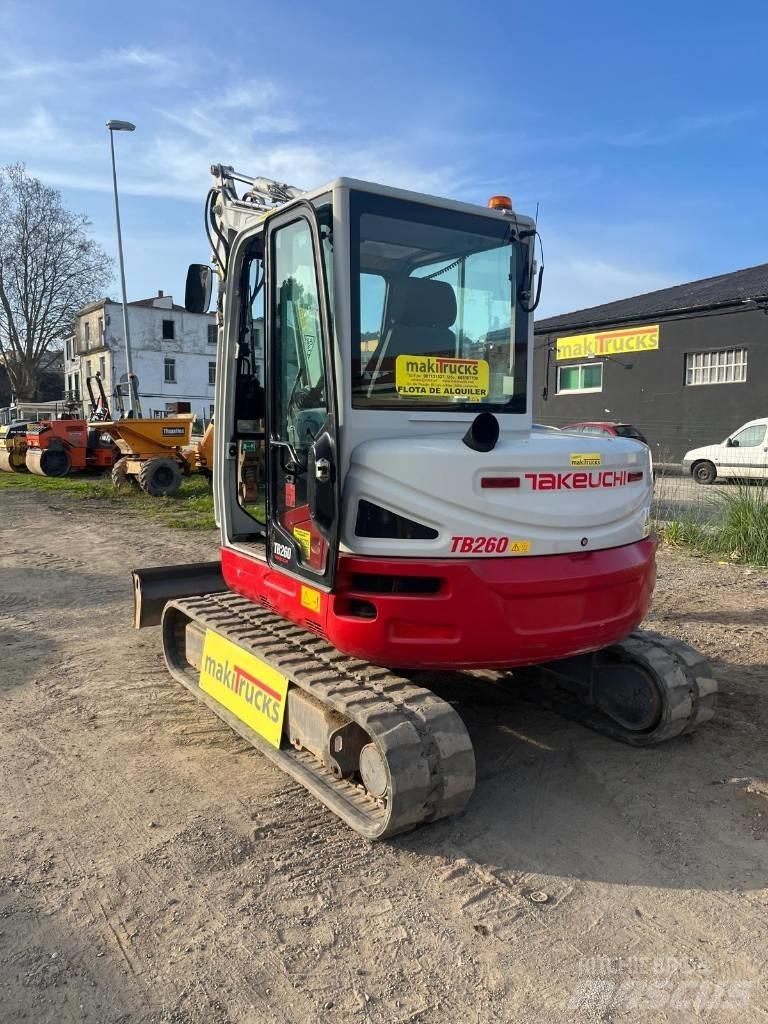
(410, 517)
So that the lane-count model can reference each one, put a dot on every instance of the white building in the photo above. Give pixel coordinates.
(173, 353)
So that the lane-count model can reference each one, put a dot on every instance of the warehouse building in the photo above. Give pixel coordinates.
(685, 365)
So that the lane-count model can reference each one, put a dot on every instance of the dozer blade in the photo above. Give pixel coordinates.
(380, 752)
(153, 588)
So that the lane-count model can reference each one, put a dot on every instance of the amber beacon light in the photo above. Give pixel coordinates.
(500, 203)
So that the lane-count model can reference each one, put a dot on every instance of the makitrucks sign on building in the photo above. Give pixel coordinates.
(685, 366)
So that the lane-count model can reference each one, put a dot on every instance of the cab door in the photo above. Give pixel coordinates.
(303, 502)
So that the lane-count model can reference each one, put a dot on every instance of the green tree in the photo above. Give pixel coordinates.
(50, 267)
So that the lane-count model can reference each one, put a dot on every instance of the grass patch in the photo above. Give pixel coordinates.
(190, 509)
(736, 528)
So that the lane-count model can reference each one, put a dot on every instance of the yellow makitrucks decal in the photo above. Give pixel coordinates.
(437, 377)
(608, 343)
(586, 459)
(248, 687)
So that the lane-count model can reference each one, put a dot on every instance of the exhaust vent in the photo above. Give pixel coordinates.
(375, 521)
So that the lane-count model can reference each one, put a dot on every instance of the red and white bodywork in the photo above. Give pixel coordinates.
(380, 527)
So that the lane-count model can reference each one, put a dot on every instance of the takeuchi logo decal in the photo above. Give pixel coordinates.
(583, 481)
(607, 343)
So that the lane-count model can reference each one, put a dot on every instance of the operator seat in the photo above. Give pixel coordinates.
(421, 313)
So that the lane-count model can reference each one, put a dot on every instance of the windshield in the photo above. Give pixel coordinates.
(436, 324)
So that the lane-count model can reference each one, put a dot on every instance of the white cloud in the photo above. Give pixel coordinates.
(108, 61)
(260, 127)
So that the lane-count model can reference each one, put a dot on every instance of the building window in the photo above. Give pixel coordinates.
(86, 334)
(579, 377)
(211, 373)
(102, 367)
(170, 371)
(168, 330)
(212, 334)
(88, 368)
(727, 366)
(101, 328)
(76, 382)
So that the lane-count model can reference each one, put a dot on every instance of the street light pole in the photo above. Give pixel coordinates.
(133, 402)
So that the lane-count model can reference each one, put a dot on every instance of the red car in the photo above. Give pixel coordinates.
(600, 428)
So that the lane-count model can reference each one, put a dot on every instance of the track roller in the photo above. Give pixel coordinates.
(647, 689)
(383, 754)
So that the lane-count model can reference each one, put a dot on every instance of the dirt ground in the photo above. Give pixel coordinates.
(154, 868)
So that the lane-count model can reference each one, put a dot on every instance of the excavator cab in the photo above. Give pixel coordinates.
(351, 313)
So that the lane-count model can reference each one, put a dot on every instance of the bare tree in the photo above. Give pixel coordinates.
(50, 268)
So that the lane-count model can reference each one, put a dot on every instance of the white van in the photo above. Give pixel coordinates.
(743, 455)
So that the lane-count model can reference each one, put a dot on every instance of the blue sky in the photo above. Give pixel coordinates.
(639, 129)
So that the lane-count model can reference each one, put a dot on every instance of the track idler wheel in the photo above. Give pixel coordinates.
(647, 689)
(48, 461)
(160, 477)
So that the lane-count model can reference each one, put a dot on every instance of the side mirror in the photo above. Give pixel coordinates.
(197, 293)
(730, 443)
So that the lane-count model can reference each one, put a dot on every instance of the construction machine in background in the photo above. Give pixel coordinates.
(13, 447)
(408, 516)
(199, 454)
(150, 450)
(199, 457)
(69, 443)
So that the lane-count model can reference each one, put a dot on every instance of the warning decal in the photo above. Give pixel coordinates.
(438, 377)
(310, 598)
(245, 685)
(304, 537)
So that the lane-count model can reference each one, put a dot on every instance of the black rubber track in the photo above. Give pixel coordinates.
(682, 675)
(424, 743)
